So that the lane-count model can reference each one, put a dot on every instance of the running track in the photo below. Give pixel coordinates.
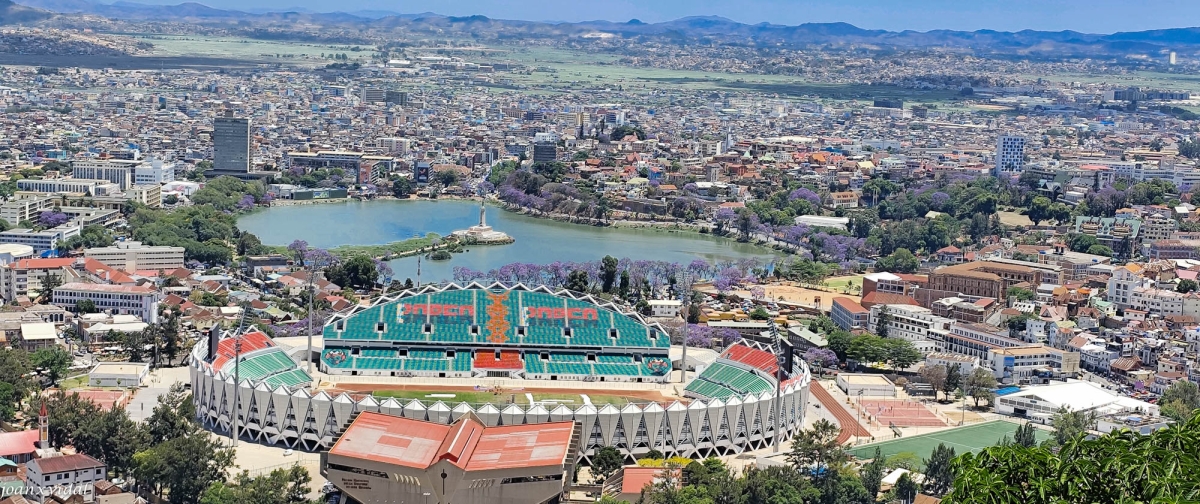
(850, 426)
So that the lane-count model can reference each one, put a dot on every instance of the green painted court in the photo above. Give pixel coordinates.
(971, 438)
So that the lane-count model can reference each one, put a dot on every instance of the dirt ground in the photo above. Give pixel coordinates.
(639, 395)
(795, 294)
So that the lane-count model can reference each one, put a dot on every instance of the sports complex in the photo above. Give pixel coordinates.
(440, 353)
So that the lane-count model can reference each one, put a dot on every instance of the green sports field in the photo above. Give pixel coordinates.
(971, 438)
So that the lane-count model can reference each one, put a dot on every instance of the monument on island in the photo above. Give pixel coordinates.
(482, 233)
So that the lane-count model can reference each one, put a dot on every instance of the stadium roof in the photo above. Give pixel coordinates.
(467, 443)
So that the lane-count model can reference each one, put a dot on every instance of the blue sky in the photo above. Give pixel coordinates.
(1095, 16)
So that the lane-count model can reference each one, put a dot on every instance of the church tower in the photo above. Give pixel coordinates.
(43, 428)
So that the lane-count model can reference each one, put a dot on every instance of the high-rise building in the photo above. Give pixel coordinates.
(397, 97)
(1010, 154)
(545, 152)
(231, 144)
(373, 94)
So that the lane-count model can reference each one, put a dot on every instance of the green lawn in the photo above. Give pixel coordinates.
(517, 396)
(73, 383)
(971, 438)
(839, 283)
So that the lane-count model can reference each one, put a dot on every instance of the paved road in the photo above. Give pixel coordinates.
(845, 419)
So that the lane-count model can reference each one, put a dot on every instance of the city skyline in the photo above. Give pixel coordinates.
(1100, 16)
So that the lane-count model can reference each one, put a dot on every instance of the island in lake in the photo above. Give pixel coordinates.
(482, 234)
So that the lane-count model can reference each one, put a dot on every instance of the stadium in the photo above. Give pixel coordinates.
(533, 339)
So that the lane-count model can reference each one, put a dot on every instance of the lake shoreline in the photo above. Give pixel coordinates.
(385, 229)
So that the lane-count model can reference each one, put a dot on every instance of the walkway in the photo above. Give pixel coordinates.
(850, 426)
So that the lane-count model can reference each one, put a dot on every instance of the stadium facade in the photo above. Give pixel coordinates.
(549, 335)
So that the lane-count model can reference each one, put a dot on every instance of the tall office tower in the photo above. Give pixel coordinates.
(231, 144)
(1010, 154)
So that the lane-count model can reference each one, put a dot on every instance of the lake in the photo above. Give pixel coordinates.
(539, 241)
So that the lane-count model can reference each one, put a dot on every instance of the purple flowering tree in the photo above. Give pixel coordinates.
(758, 293)
(821, 357)
(299, 249)
(246, 203)
(699, 336)
(727, 335)
(805, 194)
(50, 218)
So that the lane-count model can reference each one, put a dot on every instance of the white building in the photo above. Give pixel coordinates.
(918, 325)
(665, 307)
(117, 171)
(133, 256)
(1011, 365)
(41, 241)
(118, 374)
(1010, 154)
(25, 207)
(11, 252)
(1040, 402)
(119, 299)
(1158, 227)
(63, 476)
(154, 172)
(94, 187)
(1121, 284)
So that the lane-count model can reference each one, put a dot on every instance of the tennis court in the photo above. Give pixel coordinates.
(971, 438)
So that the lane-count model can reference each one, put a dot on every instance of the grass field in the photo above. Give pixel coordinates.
(839, 283)
(518, 397)
(244, 48)
(971, 438)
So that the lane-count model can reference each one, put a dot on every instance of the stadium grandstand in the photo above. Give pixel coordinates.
(495, 332)
(494, 335)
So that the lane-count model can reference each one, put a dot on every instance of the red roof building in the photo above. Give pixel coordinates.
(524, 463)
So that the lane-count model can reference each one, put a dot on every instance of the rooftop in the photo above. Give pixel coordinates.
(467, 443)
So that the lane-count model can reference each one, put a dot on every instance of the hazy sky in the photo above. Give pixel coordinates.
(1095, 16)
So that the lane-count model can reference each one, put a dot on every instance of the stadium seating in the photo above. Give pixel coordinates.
(730, 378)
(752, 357)
(486, 359)
(709, 389)
(534, 364)
(289, 379)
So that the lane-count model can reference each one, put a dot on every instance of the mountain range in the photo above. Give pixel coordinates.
(697, 29)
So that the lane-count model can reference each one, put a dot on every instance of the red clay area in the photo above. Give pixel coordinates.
(900, 413)
(850, 426)
(634, 395)
(105, 399)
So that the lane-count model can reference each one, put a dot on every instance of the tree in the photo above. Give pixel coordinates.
(85, 306)
(50, 281)
(1069, 425)
(1101, 250)
(881, 325)
(906, 489)
(1021, 294)
(358, 272)
(1025, 436)
(281, 486)
(981, 384)
(900, 261)
(901, 354)
(1039, 209)
(1180, 400)
(54, 361)
(953, 379)
(1082, 242)
(939, 473)
(184, 467)
(606, 462)
(839, 342)
(1119, 467)
(816, 450)
(759, 313)
(608, 273)
(401, 187)
(1186, 285)
(577, 281)
(935, 376)
(872, 473)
